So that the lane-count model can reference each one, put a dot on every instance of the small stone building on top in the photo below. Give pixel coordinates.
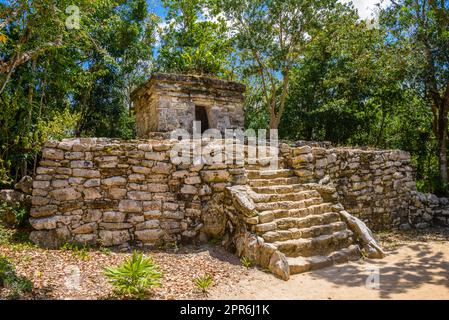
(172, 101)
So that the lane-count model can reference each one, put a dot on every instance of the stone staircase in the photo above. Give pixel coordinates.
(294, 218)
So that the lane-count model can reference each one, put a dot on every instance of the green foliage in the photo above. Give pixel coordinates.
(105, 250)
(246, 262)
(62, 124)
(134, 277)
(18, 213)
(312, 68)
(215, 240)
(192, 43)
(15, 238)
(4, 236)
(58, 82)
(203, 283)
(79, 251)
(16, 284)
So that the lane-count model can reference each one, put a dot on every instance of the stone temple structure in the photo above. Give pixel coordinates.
(168, 101)
(310, 212)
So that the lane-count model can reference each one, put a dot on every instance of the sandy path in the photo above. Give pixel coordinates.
(415, 270)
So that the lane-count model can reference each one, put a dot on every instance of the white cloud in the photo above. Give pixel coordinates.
(367, 9)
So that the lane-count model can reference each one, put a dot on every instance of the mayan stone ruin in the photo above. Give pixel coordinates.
(167, 102)
(312, 211)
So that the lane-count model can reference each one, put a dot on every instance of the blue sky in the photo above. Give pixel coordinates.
(364, 7)
(156, 7)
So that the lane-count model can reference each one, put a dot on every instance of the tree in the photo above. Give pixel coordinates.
(421, 26)
(59, 78)
(347, 87)
(271, 36)
(193, 42)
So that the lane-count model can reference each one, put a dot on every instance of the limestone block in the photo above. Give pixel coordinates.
(149, 235)
(65, 194)
(149, 224)
(215, 176)
(113, 238)
(279, 265)
(44, 223)
(162, 168)
(52, 154)
(188, 189)
(41, 184)
(86, 228)
(112, 216)
(117, 193)
(139, 195)
(92, 183)
(114, 181)
(130, 206)
(86, 173)
(156, 156)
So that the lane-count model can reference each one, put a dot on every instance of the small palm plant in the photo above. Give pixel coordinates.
(246, 262)
(135, 277)
(203, 283)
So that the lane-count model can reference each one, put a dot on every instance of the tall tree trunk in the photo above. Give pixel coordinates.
(30, 110)
(442, 142)
(274, 121)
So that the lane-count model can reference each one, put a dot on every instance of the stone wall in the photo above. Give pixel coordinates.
(119, 192)
(115, 192)
(376, 186)
(167, 102)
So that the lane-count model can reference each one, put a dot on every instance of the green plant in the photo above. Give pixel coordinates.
(166, 246)
(134, 277)
(215, 240)
(105, 250)
(17, 284)
(246, 262)
(4, 236)
(78, 251)
(13, 214)
(203, 283)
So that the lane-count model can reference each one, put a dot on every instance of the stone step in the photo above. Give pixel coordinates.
(279, 189)
(304, 264)
(297, 196)
(261, 162)
(321, 245)
(273, 182)
(307, 221)
(311, 232)
(264, 206)
(269, 174)
(270, 215)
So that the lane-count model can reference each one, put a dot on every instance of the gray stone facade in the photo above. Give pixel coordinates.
(290, 219)
(113, 191)
(167, 102)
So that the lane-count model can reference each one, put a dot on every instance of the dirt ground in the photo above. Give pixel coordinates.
(416, 267)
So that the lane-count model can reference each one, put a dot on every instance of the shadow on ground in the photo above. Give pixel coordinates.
(401, 271)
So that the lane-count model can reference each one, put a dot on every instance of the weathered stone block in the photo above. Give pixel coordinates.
(65, 194)
(130, 206)
(215, 176)
(149, 235)
(114, 181)
(86, 228)
(114, 238)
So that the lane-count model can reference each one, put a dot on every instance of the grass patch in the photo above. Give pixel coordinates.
(16, 285)
(78, 251)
